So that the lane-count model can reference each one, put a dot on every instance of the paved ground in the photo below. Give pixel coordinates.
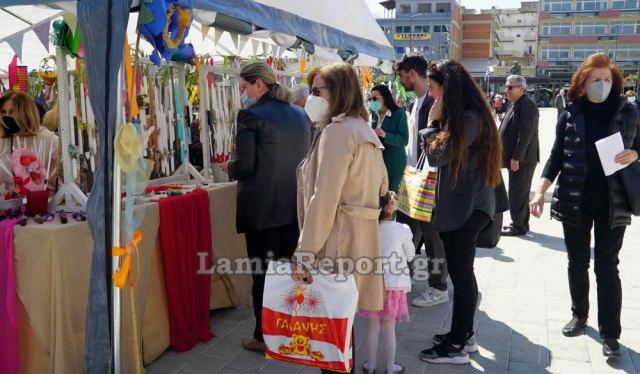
(524, 302)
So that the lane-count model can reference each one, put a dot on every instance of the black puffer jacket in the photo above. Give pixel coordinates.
(568, 158)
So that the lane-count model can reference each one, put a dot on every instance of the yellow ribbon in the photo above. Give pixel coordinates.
(124, 271)
(133, 101)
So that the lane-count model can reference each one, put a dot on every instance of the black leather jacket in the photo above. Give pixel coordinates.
(273, 137)
(569, 160)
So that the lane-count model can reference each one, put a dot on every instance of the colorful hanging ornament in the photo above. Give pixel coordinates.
(48, 71)
(68, 40)
(165, 25)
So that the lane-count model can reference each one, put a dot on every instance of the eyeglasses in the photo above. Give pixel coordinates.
(374, 98)
(509, 88)
(315, 91)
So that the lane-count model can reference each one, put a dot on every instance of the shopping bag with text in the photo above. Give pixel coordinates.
(309, 324)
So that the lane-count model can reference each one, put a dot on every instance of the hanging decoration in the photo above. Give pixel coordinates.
(165, 25)
(42, 32)
(65, 38)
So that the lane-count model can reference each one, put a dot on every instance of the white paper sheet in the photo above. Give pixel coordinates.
(608, 148)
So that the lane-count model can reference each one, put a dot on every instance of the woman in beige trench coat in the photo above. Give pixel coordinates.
(342, 178)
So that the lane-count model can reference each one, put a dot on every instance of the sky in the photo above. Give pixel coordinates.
(473, 4)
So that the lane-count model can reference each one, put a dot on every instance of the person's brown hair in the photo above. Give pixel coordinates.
(26, 114)
(578, 88)
(262, 71)
(629, 93)
(461, 93)
(51, 119)
(345, 91)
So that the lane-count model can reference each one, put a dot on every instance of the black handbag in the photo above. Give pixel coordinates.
(631, 182)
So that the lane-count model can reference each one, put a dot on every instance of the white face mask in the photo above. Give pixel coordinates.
(598, 92)
(317, 108)
(632, 99)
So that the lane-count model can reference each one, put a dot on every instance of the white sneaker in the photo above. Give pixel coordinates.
(431, 297)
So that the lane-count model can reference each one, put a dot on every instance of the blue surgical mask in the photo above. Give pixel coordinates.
(375, 106)
(247, 101)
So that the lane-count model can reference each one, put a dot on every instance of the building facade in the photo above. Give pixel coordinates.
(517, 38)
(571, 30)
(432, 28)
(478, 41)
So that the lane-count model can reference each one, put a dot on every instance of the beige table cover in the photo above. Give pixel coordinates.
(52, 273)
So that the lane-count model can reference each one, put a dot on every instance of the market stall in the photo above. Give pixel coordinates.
(67, 326)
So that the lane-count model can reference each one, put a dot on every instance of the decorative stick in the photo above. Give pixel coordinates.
(46, 182)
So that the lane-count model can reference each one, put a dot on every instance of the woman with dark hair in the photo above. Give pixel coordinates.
(585, 198)
(462, 141)
(390, 124)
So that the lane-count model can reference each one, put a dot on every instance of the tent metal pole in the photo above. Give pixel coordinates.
(117, 186)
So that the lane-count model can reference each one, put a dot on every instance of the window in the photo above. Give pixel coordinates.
(555, 52)
(582, 52)
(556, 29)
(406, 29)
(628, 53)
(426, 28)
(625, 27)
(590, 28)
(591, 5)
(557, 5)
(443, 8)
(424, 8)
(405, 9)
(624, 4)
(437, 28)
(518, 36)
(420, 29)
(398, 29)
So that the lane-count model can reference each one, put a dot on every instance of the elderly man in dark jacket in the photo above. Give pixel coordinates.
(519, 133)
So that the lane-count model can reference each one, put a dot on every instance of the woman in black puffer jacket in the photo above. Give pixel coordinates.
(584, 197)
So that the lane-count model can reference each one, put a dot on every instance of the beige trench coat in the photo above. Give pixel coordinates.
(339, 187)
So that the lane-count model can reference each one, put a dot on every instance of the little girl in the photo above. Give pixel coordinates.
(396, 243)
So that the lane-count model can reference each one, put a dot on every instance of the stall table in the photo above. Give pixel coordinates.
(52, 276)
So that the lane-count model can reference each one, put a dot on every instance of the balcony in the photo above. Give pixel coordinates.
(503, 71)
(422, 16)
(505, 37)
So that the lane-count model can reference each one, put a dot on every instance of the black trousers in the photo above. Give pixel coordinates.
(460, 248)
(423, 234)
(519, 190)
(607, 247)
(262, 245)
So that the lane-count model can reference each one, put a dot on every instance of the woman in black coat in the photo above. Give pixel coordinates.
(463, 143)
(584, 198)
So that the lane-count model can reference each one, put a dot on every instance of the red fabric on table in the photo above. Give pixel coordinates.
(185, 235)
(9, 344)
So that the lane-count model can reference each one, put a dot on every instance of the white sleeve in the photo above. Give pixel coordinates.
(407, 242)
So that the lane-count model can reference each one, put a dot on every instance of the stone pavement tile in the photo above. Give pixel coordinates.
(222, 328)
(408, 350)
(205, 365)
(529, 347)
(623, 364)
(482, 365)
(232, 314)
(189, 355)
(281, 368)
(165, 366)
(566, 348)
(559, 366)
(249, 361)
(228, 347)
(444, 369)
(232, 371)
(527, 368)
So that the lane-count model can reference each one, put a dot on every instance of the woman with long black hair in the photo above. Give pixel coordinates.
(462, 141)
(390, 124)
